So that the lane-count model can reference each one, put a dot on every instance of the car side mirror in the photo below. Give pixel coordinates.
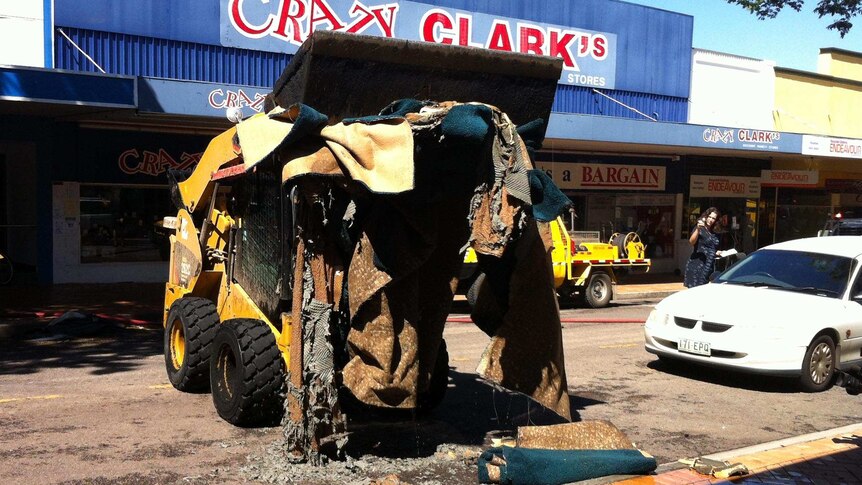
(714, 275)
(857, 298)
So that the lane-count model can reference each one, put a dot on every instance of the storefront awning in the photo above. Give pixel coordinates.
(51, 86)
(679, 138)
(192, 98)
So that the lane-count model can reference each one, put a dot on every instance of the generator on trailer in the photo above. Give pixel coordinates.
(316, 247)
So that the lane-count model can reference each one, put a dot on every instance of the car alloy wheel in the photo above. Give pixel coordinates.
(820, 367)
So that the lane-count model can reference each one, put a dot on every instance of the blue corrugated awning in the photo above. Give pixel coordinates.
(67, 87)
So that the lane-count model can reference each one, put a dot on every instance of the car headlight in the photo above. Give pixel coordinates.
(658, 318)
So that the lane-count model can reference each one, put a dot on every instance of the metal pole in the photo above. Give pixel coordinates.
(624, 105)
(80, 50)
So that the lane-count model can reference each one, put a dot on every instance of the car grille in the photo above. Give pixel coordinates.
(684, 322)
(706, 326)
(714, 327)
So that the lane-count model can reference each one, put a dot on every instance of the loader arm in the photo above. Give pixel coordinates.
(198, 187)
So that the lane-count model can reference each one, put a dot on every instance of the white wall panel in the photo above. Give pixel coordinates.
(731, 91)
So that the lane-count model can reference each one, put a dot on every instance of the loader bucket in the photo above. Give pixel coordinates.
(347, 75)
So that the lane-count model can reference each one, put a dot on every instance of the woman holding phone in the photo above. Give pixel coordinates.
(704, 239)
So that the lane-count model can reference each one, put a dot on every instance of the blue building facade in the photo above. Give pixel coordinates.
(136, 88)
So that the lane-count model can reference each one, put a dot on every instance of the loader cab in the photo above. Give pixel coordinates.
(260, 204)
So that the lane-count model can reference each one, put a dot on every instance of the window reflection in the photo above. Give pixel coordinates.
(118, 224)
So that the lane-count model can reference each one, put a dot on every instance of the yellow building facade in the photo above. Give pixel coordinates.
(826, 108)
(828, 102)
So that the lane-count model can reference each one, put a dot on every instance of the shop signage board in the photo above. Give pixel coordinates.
(825, 146)
(198, 98)
(723, 186)
(128, 157)
(589, 57)
(742, 138)
(789, 178)
(600, 176)
(623, 130)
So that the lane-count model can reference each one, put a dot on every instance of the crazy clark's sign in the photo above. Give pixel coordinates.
(589, 57)
(595, 176)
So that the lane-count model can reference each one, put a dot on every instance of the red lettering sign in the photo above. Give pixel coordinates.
(151, 163)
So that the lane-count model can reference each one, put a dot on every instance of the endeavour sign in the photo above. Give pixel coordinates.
(721, 186)
(788, 178)
(831, 147)
(589, 57)
(595, 176)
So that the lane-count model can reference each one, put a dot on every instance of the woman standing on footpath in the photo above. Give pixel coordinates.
(705, 242)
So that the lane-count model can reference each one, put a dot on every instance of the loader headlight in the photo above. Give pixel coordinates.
(170, 222)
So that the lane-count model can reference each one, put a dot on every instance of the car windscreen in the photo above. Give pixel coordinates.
(815, 273)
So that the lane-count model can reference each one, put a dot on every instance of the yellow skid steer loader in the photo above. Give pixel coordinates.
(317, 246)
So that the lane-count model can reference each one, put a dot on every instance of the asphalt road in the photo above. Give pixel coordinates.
(99, 409)
(675, 411)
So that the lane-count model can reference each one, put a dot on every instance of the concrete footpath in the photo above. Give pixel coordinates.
(827, 457)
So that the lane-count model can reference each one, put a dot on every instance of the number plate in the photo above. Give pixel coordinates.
(694, 347)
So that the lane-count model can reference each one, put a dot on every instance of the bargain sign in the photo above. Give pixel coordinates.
(589, 57)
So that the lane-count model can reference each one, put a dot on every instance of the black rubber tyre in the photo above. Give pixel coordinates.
(191, 326)
(599, 290)
(818, 365)
(473, 292)
(432, 398)
(247, 374)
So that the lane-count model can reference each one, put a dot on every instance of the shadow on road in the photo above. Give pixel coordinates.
(114, 349)
(472, 412)
(725, 377)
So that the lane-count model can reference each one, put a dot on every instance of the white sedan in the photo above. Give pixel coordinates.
(792, 308)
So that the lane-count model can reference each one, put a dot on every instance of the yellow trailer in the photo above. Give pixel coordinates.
(584, 266)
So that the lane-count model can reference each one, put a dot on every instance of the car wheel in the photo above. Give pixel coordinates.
(191, 327)
(818, 365)
(247, 374)
(599, 291)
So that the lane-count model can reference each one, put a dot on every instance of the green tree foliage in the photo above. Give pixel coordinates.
(842, 11)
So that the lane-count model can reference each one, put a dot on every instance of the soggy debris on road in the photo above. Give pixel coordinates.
(563, 453)
(449, 464)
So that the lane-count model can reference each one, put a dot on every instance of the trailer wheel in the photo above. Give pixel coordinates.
(191, 326)
(432, 398)
(247, 373)
(598, 291)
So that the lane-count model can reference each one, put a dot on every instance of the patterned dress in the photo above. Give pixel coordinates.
(702, 261)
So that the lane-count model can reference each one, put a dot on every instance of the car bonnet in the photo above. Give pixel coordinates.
(741, 305)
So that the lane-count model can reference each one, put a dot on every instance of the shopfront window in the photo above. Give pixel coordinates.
(118, 223)
(650, 216)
